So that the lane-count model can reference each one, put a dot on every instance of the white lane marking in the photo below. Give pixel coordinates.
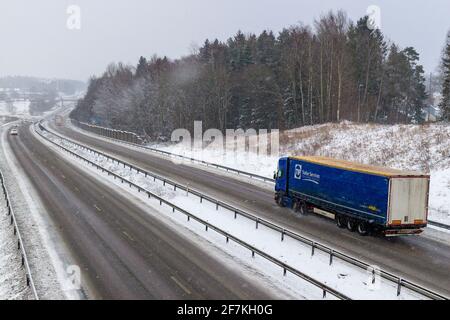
(128, 236)
(180, 285)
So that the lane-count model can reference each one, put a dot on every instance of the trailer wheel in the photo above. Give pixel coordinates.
(340, 221)
(351, 225)
(363, 228)
(303, 209)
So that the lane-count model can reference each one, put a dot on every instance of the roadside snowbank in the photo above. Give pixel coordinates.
(13, 284)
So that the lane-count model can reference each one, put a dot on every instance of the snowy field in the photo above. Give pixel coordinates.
(20, 108)
(352, 281)
(407, 147)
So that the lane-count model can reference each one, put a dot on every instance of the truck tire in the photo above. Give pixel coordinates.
(351, 225)
(363, 228)
(296, 206)
(303, 209)
(341, 221)
(280, 201)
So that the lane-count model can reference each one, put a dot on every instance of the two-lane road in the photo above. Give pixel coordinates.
(123, 252)
(418, 259)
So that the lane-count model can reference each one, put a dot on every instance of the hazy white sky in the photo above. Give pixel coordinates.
(35, 40)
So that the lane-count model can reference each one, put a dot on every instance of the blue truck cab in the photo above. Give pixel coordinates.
(359, 197)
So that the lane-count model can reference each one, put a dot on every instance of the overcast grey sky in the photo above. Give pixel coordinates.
(35, 40)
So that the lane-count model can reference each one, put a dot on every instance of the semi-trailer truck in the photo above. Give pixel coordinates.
(362, 198)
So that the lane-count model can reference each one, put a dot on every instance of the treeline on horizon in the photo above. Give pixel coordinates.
(33, 85)
(335, 70)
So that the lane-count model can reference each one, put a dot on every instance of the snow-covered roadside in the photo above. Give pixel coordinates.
(341, 276)
(46, 253)
(12, 276)
(13, 284)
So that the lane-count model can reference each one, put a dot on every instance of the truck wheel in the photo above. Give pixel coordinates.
(280, 201)
(363, 228)
(351, 225)
(340, 221)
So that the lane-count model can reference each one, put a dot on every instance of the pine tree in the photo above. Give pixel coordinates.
(445, 102)
(367, 49)
(141, 69)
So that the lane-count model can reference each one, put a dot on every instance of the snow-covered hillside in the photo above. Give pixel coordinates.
(409, 147)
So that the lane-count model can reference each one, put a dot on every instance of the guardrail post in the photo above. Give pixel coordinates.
(331, 257)
(313, 245)
(399, 286)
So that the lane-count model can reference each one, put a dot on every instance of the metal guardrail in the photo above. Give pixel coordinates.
(259, 221)
(20, 246)
(254, 251)
(125, 136)
(439, 224)
(92, 128)
(218, 166)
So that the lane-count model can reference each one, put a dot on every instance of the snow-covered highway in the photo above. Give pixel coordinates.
(425, 260)
(121, 250)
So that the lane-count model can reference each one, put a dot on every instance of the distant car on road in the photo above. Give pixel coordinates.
(14, 132)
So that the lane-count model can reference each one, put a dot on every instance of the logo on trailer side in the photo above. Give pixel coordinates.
(298, 172)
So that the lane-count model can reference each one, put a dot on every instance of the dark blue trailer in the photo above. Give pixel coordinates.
(360, 197)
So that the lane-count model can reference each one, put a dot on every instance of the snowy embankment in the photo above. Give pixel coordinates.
(352, 281)
(408, 147)
(12, 277)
